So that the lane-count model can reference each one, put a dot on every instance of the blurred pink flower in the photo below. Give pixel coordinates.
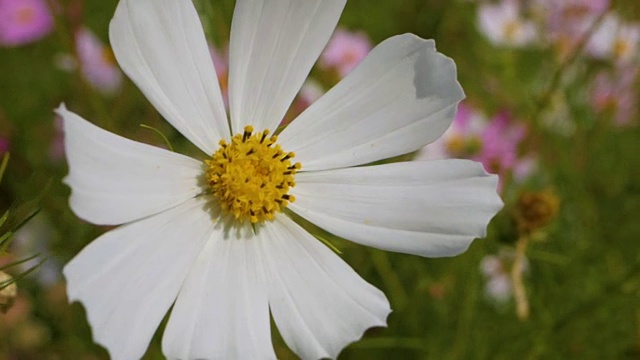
(591, 6)
(524, 167)
(221, 65)
(615, 93)
(4, 145)
(500, 140)
(494, 142)
(24, 21)
(97, 62)
(565, 15)
(344, 51)
(56, 148)
(568, 21)
(503, 25)
(309, 93)
(461, 140)
(496, 270)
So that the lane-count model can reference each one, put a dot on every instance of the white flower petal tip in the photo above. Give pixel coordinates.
(128, 278)
(318, 302)
(115, 180)
(161, 46)
(274, 44)
(402, 96)
(428, 208)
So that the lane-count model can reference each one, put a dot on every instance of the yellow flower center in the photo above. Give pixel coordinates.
(251, 176)
(511, 30)
(621, 48)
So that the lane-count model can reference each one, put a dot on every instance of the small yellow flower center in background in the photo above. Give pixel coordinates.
(251, 176)
(621, 48)
(511, 30)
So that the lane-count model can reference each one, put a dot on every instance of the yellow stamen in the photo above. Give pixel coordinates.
(511, 30)
(251, 176)
(621, 48)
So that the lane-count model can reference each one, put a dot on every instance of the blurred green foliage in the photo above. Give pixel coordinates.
(583, 284)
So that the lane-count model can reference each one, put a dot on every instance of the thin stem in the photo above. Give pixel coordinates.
(519, 290)
(570, 59)
(389, 277)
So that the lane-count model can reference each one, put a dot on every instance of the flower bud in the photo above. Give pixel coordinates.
(534, 210)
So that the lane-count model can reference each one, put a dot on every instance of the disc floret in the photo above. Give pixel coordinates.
(251, 176)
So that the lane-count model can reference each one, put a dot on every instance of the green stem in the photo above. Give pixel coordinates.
(519, 290)
(557, 75)
(389, 277)
(459, 348)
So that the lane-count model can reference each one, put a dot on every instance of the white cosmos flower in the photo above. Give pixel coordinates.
(224, 276)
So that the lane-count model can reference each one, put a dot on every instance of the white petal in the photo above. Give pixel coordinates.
(222, 311)
(317, 301)
(429, 208)
(274, 44)
(402, 96)
(160, 45)
(115, 180)
(128, 278)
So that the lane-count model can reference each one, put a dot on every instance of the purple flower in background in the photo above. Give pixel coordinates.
(498, 285)
(4, 145)
(221, 63)
(56, 148)
(494, 142)
(308, 94)
(461, 140)
(24, 21)
(500, 154)
(345, 50)
(97, 63)
(500, 141)
(572, 16)
(615, 93)
(497, 273)
(568, 21)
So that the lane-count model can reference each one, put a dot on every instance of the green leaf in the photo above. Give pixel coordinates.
(16, 263)
(4, 218)
(3, 165)
(5, 240)
(31, 269)
(328, 243)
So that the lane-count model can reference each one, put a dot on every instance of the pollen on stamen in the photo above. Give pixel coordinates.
(251, 176)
